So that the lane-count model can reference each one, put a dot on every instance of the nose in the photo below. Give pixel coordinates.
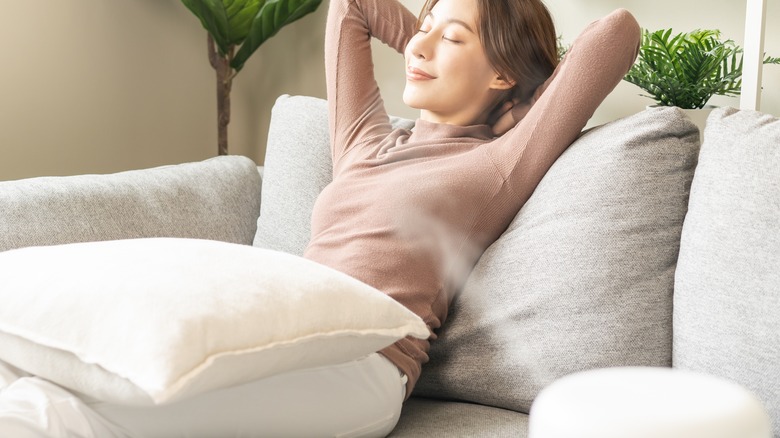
(420, 46)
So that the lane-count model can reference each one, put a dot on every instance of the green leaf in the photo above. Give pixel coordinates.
(240, 15)
(214, 19)
(687, 69)
(274, 15)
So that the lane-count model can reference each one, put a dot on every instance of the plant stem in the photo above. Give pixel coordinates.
(221, 64)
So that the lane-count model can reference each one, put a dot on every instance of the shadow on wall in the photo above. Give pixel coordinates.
(292, 62)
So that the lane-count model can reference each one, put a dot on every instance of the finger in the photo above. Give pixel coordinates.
(507, 106)
(503, 124)
(498, 112)
(520, 111)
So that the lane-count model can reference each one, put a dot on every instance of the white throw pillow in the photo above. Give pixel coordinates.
(152, 321)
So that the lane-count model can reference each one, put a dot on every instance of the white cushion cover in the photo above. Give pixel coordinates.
(152, 321)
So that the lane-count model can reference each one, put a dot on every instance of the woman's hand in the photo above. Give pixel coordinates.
(501, 120)
(507, 115)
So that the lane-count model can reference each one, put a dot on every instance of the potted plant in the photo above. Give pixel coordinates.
(687, 69)
(236, 28)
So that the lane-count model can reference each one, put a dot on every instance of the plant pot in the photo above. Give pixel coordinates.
(697, 116)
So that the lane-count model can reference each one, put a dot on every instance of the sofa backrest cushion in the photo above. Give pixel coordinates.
(583, 276)
(297, 167)
(727, 286)
(216, 199)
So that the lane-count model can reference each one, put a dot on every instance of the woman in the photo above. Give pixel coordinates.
(408, 212)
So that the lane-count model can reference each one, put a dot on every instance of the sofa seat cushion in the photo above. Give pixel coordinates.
(583, 276)
(727, 286)
(435, 418)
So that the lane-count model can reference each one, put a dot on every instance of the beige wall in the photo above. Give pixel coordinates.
(95, 86)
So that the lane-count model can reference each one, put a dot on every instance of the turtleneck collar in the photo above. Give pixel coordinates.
(425, 130)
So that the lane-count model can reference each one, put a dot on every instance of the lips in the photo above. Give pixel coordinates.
(415, 74)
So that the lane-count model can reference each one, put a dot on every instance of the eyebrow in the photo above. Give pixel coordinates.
(455, 21)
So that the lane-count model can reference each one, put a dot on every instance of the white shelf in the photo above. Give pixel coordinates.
(755, 26)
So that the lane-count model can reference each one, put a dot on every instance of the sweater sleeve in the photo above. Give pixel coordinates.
(597, 61)
(355, 107)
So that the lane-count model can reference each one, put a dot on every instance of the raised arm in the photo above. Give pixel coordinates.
(356, 110)
(595, 64)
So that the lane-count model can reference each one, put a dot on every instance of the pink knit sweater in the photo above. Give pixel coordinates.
(411, 212)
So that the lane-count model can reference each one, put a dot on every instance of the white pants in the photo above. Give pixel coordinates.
(359, 398)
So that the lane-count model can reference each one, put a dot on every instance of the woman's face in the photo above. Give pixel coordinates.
(448, 75)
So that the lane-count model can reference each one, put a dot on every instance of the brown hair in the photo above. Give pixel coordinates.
(519, 40)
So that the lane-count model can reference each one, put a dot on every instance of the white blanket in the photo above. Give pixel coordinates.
(357, 398)
(32, 407)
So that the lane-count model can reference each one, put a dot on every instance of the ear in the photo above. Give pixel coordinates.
(499, 83)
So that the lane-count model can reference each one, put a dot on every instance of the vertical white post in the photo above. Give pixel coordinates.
(755, 24)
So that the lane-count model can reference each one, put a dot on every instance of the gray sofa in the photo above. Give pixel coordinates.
(639, 247)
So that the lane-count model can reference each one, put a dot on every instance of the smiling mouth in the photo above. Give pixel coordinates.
(415, 74)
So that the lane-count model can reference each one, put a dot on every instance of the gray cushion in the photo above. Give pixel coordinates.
(727, 289)
(297, 167)
(216, 199)
(583, 276)
(433, 419)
